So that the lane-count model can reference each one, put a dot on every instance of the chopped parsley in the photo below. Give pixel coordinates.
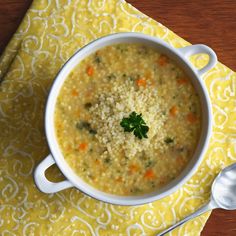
(97, 59)
(88, 105)
(169, 140)
(111, 76)
(107, 160)
(135, 123)
(84, 125)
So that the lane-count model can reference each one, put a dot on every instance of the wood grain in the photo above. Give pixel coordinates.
(211, 22)
(11, 14)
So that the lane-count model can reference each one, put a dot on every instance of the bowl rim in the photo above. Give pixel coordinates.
(49, 121)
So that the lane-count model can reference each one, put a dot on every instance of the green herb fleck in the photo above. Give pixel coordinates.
(107, 160)
(131, 78)
(84, 125)
(153, 184)
(168, 140)
(92, 131)
(135, 123)
(135, 190)
(143, 50)
(97, 59)
(111, 76)
(122, 48)
(88, 105)
(149, 163)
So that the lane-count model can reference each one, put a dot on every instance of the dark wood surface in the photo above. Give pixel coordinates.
(211, 22)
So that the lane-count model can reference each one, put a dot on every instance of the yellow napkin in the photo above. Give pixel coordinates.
(49, 34)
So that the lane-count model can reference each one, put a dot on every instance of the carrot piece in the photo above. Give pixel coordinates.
(83, 146)
(141, 82)
(119, 179)
(162, 181)
(59, 126)
(173, 111)
(149, 174)
(180, 161)
(162, 60)
(97, 162)
(77, 113)
(182, 81)
(74, 93)
(133, 168)
(90, 70)
(68, 148)
(192, 118)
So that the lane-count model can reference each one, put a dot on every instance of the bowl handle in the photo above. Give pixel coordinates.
(43, 183)
(200, 48)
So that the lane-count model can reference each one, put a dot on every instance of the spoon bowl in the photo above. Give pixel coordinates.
(224, 188)
(223, 195)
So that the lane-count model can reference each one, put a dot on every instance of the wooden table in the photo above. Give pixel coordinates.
(211, 22)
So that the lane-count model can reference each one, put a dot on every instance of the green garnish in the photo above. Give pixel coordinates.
(135, 123)
(168, 140)
(88, 105)
(107, 160)
(149, 163)
(97, 59)
(84, 125)
(111, 76)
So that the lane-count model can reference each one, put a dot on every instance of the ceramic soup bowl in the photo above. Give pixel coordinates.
(181, 57)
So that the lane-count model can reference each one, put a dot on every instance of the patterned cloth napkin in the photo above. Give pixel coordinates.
(50, 33)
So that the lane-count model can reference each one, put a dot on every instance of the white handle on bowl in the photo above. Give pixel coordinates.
(43, 183)
(200, 48)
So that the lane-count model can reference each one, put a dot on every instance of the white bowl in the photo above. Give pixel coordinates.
(181, 57)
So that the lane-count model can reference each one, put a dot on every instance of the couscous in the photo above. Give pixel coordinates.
(127, 119)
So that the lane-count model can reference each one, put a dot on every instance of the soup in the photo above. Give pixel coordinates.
(127, 119)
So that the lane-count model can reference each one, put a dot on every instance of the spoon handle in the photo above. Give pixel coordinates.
(200, 211)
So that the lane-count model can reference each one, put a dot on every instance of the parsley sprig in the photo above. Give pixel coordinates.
(135, 123)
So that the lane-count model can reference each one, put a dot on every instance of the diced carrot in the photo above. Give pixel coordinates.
(98, 162)
(173, 111)
(77, 113)
(90, 70)
(182, 81)
(83, 146)
(180, 160)
(133, 168)
(141, 82)
(119, 179)
(74, 93)
(162, 181)
(59, 126)
(68, 148)
(162, 60)
(192, 118)
(149, 174)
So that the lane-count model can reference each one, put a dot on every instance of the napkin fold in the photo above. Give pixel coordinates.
(51, 31)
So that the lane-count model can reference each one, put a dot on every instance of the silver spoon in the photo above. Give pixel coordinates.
(223, 195)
